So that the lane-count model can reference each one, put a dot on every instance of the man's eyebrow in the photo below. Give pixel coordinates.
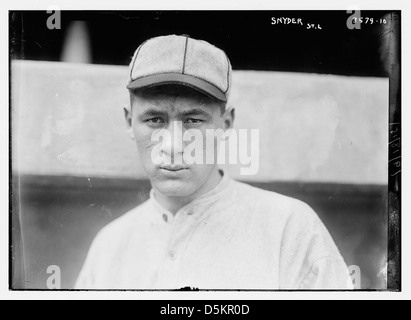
(153, 112)
(195, 111)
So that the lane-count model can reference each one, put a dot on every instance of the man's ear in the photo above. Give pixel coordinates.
(129, 122)
(228, 117)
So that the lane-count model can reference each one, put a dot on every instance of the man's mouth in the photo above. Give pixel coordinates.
(173, 168)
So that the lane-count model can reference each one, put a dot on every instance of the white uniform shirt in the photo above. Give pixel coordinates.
(234, 237)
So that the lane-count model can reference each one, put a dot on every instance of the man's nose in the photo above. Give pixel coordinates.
(173, 143)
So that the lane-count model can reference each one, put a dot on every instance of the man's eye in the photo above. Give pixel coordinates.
(155, 120)
(193, 121)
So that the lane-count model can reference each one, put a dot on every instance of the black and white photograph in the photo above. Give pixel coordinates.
(205, 150)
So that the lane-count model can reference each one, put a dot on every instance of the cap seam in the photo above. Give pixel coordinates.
(185, 55)
(135, 59)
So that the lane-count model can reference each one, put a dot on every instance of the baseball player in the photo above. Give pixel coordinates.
(199, 228)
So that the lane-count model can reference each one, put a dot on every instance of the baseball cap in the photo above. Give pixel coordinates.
(179, 59)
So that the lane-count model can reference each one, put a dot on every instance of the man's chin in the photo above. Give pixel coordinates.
(173, 188)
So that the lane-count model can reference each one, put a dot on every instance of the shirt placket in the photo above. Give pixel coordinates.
(181, 228)
(182, 224)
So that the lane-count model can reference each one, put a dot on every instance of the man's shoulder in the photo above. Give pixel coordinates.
(264, 200)
(126, 223)
(299, 225)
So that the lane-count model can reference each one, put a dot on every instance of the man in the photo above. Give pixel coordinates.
(199, 228)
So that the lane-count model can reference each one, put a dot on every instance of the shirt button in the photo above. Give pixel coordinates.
(189, 213)
(165, 218)
(172, 255)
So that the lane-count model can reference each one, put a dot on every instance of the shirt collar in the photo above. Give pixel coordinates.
(199, 205)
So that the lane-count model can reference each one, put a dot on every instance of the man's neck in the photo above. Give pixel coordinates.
(173, 204)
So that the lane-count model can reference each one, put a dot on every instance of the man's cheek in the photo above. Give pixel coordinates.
(143, 138)
(145, 146)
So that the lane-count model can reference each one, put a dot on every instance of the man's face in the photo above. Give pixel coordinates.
(175, 112)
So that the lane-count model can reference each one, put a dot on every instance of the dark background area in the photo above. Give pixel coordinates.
(248, 37)
(61, 215)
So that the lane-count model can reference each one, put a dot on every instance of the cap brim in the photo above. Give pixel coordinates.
(181, 79)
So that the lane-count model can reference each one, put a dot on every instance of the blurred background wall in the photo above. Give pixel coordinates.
(320, 101)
